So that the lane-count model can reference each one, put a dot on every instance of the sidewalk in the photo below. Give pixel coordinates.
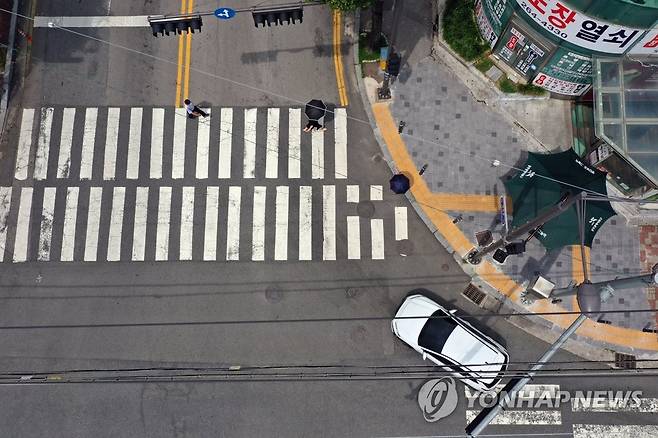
(458, 123)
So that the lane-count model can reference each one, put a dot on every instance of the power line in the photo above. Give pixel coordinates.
(299, 320)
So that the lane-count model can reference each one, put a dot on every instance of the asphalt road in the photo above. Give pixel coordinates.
(54, 315)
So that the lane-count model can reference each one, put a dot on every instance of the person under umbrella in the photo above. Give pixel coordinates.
(399, 183)
(315, 111)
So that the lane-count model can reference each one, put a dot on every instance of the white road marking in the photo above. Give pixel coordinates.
(534, 418)
(614, 404)
(272, 144)
(93, 223)
(157, 142)
(139, 229)
(116, 224)
(353, 238)
(614, 431)
(317, 154)
(65, 143)
(340, 123)
(305, 223)
(203, 147)
(258, 224)
(233, 223)
(250, 142)
(88, 143)
(47, 215)
(70, 221)
(23, 225)
(24, 144)
(43, 144)
(210, 235)
(329, 222)
(5, 205)
(401, 229)
(93, 21)
(134, 143)
(281, 231)
(225, 138)
(111, 139)
(162, 233)
(178, 154)
(353, 193)
(377, 238)
(376, 193)
(294, 142)
(186, 224)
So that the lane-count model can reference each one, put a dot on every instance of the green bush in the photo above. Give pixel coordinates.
(461, 31)
(531, 89)
(507, 86)
(365, 53)
(348, 5)
(484, 64)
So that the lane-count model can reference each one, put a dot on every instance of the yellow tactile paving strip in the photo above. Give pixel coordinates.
(487, 271)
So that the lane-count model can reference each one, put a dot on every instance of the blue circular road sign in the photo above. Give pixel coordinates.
(224, 13)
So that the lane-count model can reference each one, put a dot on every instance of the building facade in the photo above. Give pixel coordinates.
(551, 43)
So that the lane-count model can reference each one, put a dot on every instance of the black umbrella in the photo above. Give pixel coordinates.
(315, 109)
(399, 184)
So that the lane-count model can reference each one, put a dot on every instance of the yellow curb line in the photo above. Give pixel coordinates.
(179, 74)
(487, 271)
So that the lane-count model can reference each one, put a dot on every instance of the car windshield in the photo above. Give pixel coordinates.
(436, 331)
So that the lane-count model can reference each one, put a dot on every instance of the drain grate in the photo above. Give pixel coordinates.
(626, 361)
(474, 294)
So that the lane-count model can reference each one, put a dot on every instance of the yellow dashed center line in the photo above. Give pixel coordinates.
(181, 57)
(188, 60)
(338, 62)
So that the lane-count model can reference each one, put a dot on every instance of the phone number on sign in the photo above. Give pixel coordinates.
(540, 19)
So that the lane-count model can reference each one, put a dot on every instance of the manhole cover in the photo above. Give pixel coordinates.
(273, 294)
(405, 247)
(365, 209)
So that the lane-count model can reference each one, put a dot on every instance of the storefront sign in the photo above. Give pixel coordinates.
(647, 45)
(486, 30)
(555, 85)
(569, 67)
(578, 28)
(521, 51)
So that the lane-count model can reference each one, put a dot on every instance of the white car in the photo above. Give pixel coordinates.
(450, 342)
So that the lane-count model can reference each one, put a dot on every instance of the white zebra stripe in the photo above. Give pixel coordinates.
(317, 154)
(43, 144)
(70, 221)
(47, 216)
(353, 238)
(203, 147)
(258, 224)
(111, 140)
(116, 224)
(134, 143)
(24, 144)
(225, 137)
(162, 232)
(329, 222)
(157, 142)
(141, 218)
(281, 231)
(88, 143)
(178, 154)
(401, 231)
(376, 193)
(517, 418)
(65, 143)
(210, 235)
(5, 207)
(233, 223)
(294, 142)
(305, 223)
(377, 238)
(93, 223)
(272, 143)
(186, 224)
(340, 144)
(250, 120)
(23, 225)
(353, 193)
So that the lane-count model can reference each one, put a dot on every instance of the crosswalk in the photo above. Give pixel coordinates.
(115, 144)
(186, 223)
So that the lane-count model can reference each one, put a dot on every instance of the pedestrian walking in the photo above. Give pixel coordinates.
(194, 111)
(314, 124)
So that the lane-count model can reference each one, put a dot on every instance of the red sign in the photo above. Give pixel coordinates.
(512, 42)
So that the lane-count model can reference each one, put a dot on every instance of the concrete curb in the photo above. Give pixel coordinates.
(495, 301)
(9, 61)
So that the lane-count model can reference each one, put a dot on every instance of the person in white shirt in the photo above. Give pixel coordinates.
(193, 111)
